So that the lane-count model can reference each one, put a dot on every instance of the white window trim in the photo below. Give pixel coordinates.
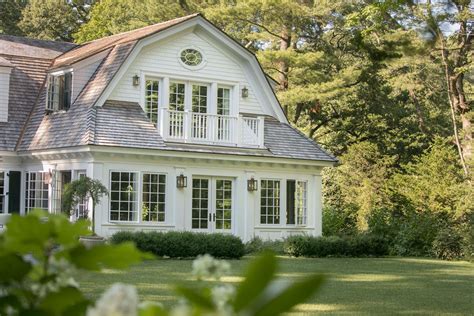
(189, 67)
(282, 201)
(55, 74)
(213, 84)
(168, 213)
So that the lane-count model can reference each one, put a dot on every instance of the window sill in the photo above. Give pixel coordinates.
(145, 224)
(284, 227)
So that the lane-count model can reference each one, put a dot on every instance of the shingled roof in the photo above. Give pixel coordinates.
(29, 60)
(90, 48)
(124, 124)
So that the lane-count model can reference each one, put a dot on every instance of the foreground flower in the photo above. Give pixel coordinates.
(206, 267)
(118, 300)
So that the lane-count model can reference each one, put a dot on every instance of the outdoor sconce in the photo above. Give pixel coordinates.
(48, 177)
(252, 185)
(136, 80)
(245, 92)
(181, 181)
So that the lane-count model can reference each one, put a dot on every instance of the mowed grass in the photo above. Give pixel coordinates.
(354, 286)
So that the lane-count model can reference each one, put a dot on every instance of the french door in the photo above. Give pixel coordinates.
(212, 204)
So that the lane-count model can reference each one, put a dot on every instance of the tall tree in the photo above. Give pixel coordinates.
(52, 19)
(110, 17)
(10, 13)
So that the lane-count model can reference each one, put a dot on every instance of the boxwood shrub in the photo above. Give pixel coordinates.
(176, 244)
(335, 246)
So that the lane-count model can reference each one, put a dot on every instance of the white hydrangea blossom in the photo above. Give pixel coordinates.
(206, 267)
(118, 300)
(221, 296)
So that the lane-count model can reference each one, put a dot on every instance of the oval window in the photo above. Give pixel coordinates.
(191, 57)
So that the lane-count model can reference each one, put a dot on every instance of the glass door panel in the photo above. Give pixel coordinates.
(200, 204)
(212, 204)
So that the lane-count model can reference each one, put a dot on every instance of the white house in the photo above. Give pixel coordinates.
(176, 119)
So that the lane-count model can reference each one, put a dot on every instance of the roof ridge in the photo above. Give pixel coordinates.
(141, 28)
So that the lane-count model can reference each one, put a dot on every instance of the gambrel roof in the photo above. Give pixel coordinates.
(90, 121)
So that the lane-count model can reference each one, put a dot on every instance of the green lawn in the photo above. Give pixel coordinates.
(354, 286)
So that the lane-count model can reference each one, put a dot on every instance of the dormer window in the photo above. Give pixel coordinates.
(59, 92)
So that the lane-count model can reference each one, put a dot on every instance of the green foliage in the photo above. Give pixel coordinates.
(176, 244)
(40, 251)
(448, 244)
(11, 13)
(81, 190)
(334, 246)
(253, 295)
(258, 245)
(110, 17)
(339, 222)
(50, 19)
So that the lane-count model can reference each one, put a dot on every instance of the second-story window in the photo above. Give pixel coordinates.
(59, 92)
(223, 101)
(151, 100)
(177, 96)
(199, 98)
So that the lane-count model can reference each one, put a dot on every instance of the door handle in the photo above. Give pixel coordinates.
(210, 217)
(214, 217)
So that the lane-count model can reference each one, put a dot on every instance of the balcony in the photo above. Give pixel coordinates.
(203, 128)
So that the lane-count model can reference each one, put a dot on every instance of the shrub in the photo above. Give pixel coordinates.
(257, 245)
(335, 246)
(338, 221)
(448, 244)
(183, 244)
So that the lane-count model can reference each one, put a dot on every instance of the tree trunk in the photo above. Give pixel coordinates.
(283, 66)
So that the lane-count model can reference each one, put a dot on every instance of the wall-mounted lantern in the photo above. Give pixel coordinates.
(252, 185)
(181, 181)
(245, 92)
(136, 80)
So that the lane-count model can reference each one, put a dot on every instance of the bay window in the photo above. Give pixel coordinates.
(59, 92)
(270, 202)
(123, 196)
(36, 190)
(153, 197)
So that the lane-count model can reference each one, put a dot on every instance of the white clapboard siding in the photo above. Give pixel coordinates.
(4, 92)
(81, 76)
(162, 57)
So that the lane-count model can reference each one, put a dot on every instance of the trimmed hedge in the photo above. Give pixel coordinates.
(334, 246)
(175, 244)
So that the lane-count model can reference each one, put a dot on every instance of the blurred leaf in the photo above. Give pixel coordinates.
(195, 297)
(151, 309)
(107, 256)
(16, 267)
(55, 303)
(258, 275)
(290, 297)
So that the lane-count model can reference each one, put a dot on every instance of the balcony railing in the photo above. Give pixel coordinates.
(186, 126)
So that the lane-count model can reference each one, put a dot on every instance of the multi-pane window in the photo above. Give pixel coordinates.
(270, 202)
(153, 197)
(81, 210)
(200, 204)
(151, 100)
(59, 92)
(2, 192)
(223, 101)
(296, 202)
(223, 204)
(36, 195)
(199, 98)
(123, 196)
(177, 96)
